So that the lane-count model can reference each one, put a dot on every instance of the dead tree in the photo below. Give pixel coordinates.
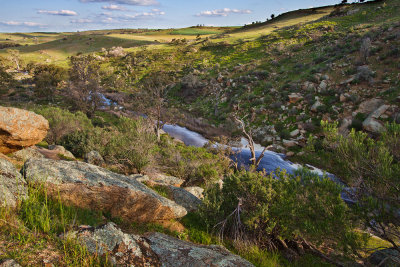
(249, 137)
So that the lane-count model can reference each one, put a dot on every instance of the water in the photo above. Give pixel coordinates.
(270, 162)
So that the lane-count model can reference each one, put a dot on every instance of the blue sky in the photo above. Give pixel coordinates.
(74, 15)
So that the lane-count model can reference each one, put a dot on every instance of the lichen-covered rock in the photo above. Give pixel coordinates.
(196, 191)
(92, 187)
(122, 249)
(27, 153)
(174, 252)
(184, 198)
(384, 258)
(60, 150)
(368, 106)
(159, 179)
(94, 157)
(9, 263)
(20, 128)
(12, 185)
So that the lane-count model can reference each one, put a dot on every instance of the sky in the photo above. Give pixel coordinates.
(79, 15)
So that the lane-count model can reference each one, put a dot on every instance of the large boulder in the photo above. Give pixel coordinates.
(20, 128)
(154, 249)
(12, 185)
(120, 248)
(385, 258)
(91, 187)
(174, 252)
(158, 179)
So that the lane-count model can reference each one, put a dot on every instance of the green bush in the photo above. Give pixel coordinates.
(47, 78)
(63, 122)
(265, 208)
(197, 166)
(371, 167)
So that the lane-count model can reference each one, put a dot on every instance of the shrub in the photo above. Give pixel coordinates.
(47, 78)
(372, 169)
(63, 122)
(266, 208)
(197, 166)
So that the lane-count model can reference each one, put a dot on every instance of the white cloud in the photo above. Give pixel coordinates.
(58, 12)
(114, 8)
(125, 2)
(108, 17)
(20, 23)
(223, 12)
(81, 21)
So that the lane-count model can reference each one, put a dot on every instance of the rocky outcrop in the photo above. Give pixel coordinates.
(27, 153)
(158, 179)
(9, 263)
(184, 198)
(20, 128)
(174, 252)
(196, 191)
(12, 185)
(94, 157)
(121, 249)
(384, 258)
(154, 249)
(91, 187)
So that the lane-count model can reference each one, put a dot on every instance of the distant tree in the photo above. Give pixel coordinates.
(14, 56)
(272, 16)
(344, 2)
(84, 81)
(152, 99)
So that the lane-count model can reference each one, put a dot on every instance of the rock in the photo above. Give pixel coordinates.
(27, 153)
(174, 252)
(184, 198)
(372, 125)
(367, 107)
(20, 128)
(94, 157)
(60, 150)
(91, 187)
(290, 154)
(323, 85)
(159, 179)
(122, 249)
(379, 112)
(384, 258)
(316, 105)
(9, 263)
(154, 249)
(344, 126)
(295, 133)
(309, 86)
(343, 98)
(294, 98)
(12, 185)
(289, 143)
(196, 191)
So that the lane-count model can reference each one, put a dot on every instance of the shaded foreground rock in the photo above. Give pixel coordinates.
(91, 187)
(9, 263)
(94, 157)
(159, 179)
(184, 198)
(122, 249)
(12, 185)
(20, 128)
(153, 249)
(384, 258)
(174, 252)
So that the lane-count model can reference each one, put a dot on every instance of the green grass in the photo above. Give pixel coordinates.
(34, 227)
(196, 31)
